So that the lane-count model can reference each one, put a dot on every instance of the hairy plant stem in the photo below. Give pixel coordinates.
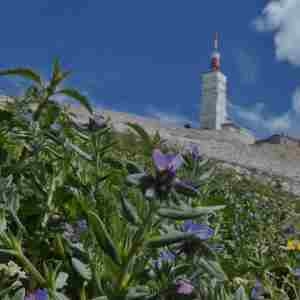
(31, 268)
(134, 250)
(41, 106)
(82, 295)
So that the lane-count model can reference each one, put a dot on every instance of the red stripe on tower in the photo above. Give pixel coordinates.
(215, 57)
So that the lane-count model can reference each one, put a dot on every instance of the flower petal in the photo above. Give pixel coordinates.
(257, 291)
(296, 272)
(41, 294)
(164, 257)
(184, 287)
(193, 150)
(202, 231)
(185, 187)
(161, 161)
(187, 226)
(167, 256)
(175, 163)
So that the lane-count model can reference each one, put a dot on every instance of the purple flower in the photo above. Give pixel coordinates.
(166, 162)
(296, 272)
(289, 230)
(96, 122)
(165, 179)
(81, 226)
(185, 187)
(74, 231)
(165, 257)
(40, 294)
(69, 231)
(184, 287)
(166, 166)
(194, 151)
(202, 231)
(258, 291)
(56, 126)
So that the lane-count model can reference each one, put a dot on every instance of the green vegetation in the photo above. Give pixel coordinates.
(87, 213)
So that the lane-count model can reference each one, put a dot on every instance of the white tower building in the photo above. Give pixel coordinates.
(213, 109)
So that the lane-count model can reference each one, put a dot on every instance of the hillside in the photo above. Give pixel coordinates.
(265, 161)
(93, 213)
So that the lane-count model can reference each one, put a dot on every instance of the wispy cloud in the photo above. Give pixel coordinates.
(296, 101)
(282, 18)
(169, 117)
(258, 118)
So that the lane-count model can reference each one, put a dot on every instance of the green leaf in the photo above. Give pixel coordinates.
(113, 162)
(240, 294)
(206, 175)
(187, 213)
(138, 292)
(51, 113)
(19, 295)
(5, 115)
(132, 167)
(136, 179)
(129, 212)
(103, 237)
(170, 238)
(57, 75)
(82, 269)
(72, 93)
(143, 134)
(60, 296)
(214, 269)
(61, 280)
(24, 73)
(4, 292)
(80, 152)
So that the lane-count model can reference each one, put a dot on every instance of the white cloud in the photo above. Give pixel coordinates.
(283, 18)
(169, 118)
(261, 121)
(280, 123)
(296, 101)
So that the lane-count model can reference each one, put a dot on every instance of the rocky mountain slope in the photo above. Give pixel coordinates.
(275, 163)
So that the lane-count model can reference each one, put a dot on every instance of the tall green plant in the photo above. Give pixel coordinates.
(43, 92)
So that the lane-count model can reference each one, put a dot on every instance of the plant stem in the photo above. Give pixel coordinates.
(41, 105)
(135, 249)
(31, 268)
(82, 293)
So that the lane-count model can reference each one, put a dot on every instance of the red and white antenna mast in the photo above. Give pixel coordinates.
(215, 57)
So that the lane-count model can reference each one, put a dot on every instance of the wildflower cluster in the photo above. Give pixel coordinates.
(164, 181)
(87, 213)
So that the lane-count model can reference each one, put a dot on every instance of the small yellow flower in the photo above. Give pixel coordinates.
(293, 245)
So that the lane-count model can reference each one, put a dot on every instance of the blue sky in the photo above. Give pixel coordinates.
(146, 57)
